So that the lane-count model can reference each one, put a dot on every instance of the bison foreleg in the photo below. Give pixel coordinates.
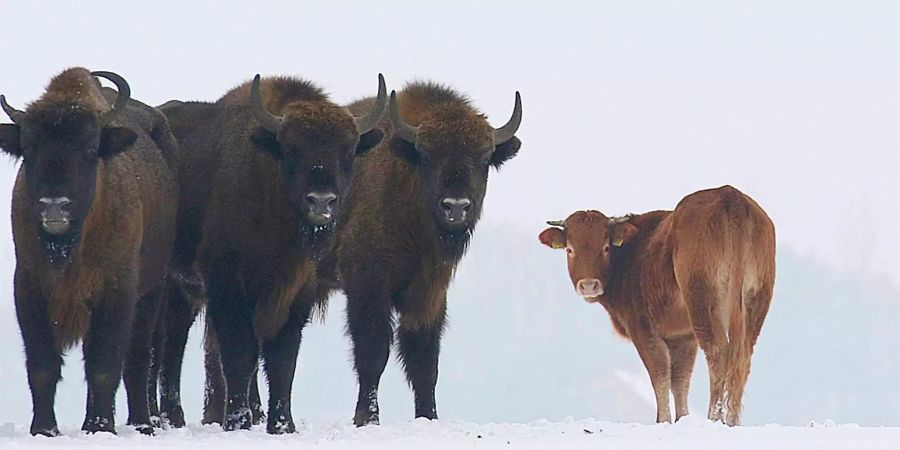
(105, 348)
(42, 359)
(137, 363)
(232, 320)
(280, 359)
(180, 314)
(369, 323)
(419, 350)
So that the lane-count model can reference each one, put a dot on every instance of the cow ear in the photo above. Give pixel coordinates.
(553, 237)
(369, 140)
(622, 233)
(115, 140)
(266, 142)
(405, 150)
(9, 140)
(505, 151)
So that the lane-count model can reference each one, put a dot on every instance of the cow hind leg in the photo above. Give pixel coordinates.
(419, 350)
(756, 307)
(703, 301)
(682, 353)
(371, 331)
(137, 363)
(280, 359)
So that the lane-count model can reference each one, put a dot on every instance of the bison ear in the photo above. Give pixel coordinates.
(505, 151)
(9, 140)
(553, 237)
(622, 233)
(115, 140)
(369, 140)
(405, 150)
(266, 141)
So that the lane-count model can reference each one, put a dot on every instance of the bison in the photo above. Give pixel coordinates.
(93, 216)
(411, 210)
(703, 272)
(275, 158)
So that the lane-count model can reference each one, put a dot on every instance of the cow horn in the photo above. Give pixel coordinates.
(366, 123)
(121, 99)
(557, 223)
(401, 128)
(506, 132)
(618, 220)
(267, 120)
(14, 114)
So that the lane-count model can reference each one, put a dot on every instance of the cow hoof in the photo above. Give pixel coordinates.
(240, 419)
(48, 431)
(99, 425)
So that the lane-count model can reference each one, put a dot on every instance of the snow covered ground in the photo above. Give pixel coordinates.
(692, 433)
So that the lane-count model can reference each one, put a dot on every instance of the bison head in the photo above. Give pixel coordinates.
(453, 149)
(589, 238)
(316, 143)
(62, 144)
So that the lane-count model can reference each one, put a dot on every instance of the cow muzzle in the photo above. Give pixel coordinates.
(55, 214)
(591, 289)
(321, 207)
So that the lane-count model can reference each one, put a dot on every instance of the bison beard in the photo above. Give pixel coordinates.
(60, 249)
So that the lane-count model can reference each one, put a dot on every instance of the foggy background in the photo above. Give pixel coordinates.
(627, 108)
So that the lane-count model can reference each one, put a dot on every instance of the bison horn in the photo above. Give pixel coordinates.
(269, 121)
(14, 114)
(506, 132)
(401, 128)
(121, 99)
(557, 223)
(366, 123)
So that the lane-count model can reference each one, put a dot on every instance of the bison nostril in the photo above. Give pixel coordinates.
(321, 203)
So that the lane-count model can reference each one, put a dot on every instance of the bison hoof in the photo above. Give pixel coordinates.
(364, 418)
(145, 429)
(45, 431)
(156, 421)
(281, 426)
(99, 425)
(258, 416)
(174, 417)
(239, 419)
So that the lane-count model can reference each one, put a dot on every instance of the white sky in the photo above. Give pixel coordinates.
(629, 106)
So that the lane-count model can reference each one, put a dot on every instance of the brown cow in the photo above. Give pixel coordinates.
(703, 272)
(93, 217)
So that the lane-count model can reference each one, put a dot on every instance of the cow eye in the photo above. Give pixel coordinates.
(569, 251)
(606, 248)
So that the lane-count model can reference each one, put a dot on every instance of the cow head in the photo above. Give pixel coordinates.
(62, 144)
(315, 143)
(452, 149)
(590, 240)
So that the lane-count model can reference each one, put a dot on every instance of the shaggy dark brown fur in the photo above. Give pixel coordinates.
(248, 234)
(395, 252)
(90, 282)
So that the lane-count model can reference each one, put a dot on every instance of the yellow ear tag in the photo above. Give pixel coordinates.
(557, 245)
(618, 242)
